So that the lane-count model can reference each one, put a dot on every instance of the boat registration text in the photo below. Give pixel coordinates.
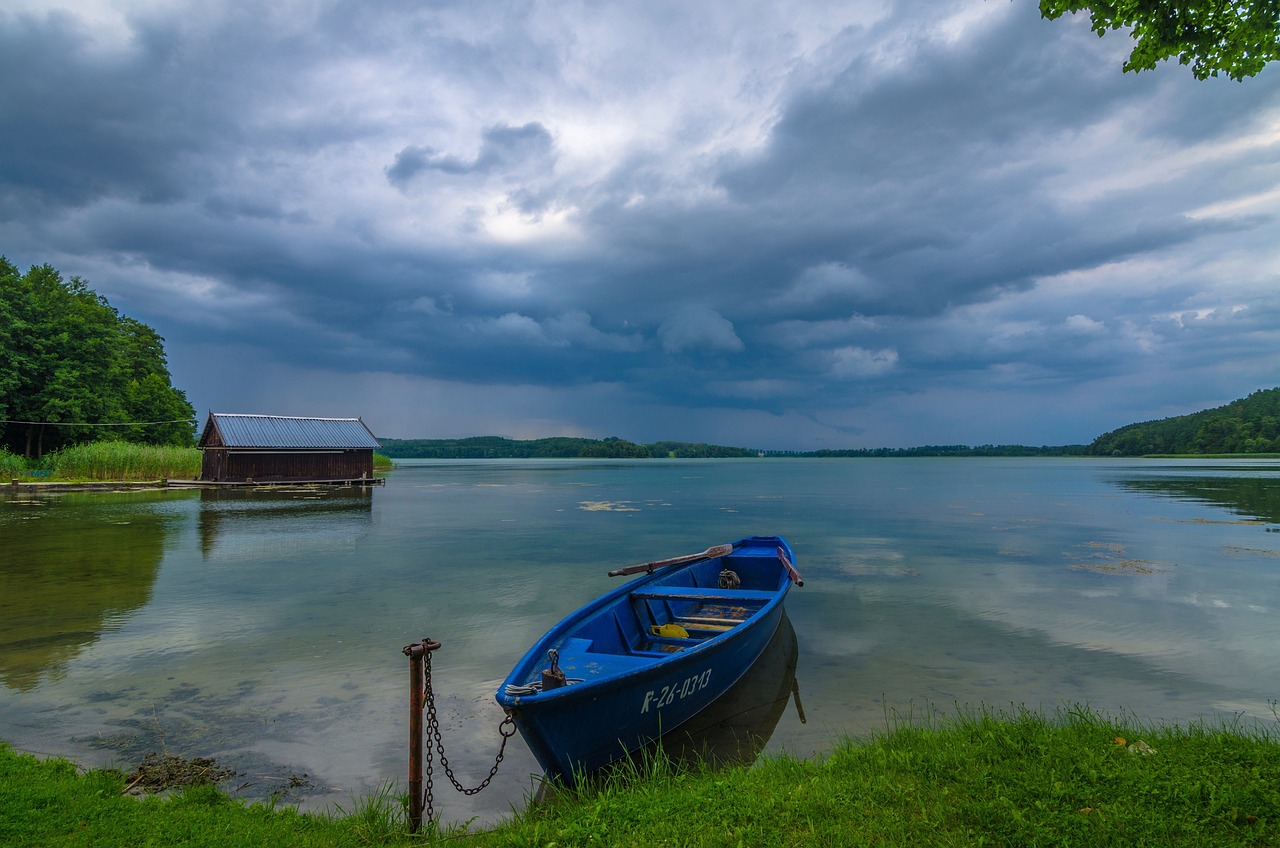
(675, 692)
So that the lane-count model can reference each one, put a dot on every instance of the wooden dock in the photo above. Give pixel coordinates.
(250, 484)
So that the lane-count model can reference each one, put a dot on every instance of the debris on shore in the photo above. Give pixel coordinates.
(159, 772)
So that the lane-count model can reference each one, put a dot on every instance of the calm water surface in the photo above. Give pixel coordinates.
(265, 628)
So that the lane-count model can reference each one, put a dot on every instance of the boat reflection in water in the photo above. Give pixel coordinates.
(730, 731)
(734, 728)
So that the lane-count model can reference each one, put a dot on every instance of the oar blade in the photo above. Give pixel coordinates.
(709, 553)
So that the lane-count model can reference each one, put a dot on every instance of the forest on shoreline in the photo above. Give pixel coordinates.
(74, 370)
(565, 447)
(1248, 426)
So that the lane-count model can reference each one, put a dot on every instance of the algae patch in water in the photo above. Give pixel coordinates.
(607, 506)
(159, 772)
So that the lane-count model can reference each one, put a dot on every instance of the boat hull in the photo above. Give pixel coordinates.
(628, 694)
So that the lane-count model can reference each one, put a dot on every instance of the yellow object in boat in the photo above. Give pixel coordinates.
(672, 631)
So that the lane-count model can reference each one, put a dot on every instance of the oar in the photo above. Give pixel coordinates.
(791, 569)
(709, 553)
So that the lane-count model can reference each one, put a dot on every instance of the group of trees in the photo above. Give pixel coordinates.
(70, 364)
(1248, 425)
(942, 450)
(493, 447)
(565, 447)
(558, 447)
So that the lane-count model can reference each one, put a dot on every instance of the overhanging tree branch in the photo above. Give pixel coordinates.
(1234, 37)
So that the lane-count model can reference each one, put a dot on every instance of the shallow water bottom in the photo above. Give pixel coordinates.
(266, 629)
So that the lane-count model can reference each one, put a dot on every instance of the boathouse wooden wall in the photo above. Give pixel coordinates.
(244, 463)
(261, 466)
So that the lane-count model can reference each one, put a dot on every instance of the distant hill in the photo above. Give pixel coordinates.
(1248, 425)
(558, 447)
(943, 450)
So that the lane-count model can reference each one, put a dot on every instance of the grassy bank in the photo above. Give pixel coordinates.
(117, 461)
(1019, 778)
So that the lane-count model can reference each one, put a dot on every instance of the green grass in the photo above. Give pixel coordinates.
(382, 462)
(983, 778)
(122, 461)
(11, 466)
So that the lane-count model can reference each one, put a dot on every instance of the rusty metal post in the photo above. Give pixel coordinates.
(415, 654)
(417, 693)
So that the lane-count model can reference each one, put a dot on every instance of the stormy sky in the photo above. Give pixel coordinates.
(794, 226)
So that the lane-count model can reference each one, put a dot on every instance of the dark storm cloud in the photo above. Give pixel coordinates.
(74, 129)
(832, 223)
(502, 147)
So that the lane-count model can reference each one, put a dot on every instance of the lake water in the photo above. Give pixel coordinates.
(265, 628)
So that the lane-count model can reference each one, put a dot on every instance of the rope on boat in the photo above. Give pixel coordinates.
(533, 687)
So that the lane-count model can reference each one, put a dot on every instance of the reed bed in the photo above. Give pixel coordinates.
(11, 465)
(123, 461)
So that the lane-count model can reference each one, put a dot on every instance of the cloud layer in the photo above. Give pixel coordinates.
(863, 225)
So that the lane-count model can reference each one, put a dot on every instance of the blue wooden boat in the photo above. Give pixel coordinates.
(646, 657)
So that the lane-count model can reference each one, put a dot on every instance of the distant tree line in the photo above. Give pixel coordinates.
(697, 450)
(943, 450)
(1248, 425)
(69, 363)
(558, 447)
(496, 447)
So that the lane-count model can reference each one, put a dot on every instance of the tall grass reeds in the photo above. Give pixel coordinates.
(123, 461)
(11, 465)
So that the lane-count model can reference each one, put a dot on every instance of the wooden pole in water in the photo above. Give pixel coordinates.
(415, 653)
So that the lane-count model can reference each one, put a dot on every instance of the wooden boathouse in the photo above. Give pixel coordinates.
(264, 449)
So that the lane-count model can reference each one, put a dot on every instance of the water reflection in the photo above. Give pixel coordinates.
(296, 510)
(734, 729)
(1253, 497)
(72, 568)
(270, 636)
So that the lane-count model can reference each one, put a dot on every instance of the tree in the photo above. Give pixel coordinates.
(70, 363)
(1235, 37)
(1248, 425)
(10, 331)
(141, 377)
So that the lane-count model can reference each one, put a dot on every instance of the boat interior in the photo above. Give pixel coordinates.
(676, 611)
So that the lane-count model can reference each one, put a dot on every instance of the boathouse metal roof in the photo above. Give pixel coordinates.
(277, 431)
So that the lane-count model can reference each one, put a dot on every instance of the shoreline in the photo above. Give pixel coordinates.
(1013, 776)
(61, 486)
(57, 486)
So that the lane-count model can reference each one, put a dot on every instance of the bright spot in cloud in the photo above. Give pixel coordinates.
(699, 328)
(855, 362)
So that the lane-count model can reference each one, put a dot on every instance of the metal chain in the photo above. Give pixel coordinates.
(506, 729)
